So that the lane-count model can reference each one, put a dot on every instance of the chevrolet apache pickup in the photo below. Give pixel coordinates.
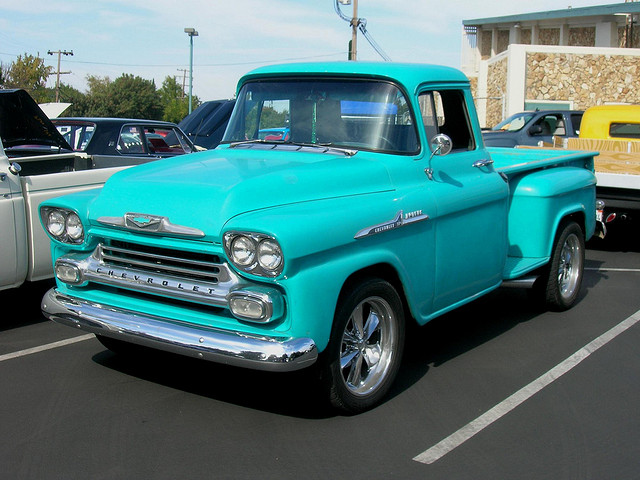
(380, 207)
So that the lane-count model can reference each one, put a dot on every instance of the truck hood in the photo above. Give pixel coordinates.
(205, 190)
(22, 122)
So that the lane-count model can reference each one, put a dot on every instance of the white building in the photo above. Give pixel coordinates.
(570, 59)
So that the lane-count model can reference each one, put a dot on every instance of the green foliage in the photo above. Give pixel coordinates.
(126, 96)
(176, 104)
(29, 73)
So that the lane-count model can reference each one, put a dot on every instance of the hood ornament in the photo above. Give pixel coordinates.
(143, 222)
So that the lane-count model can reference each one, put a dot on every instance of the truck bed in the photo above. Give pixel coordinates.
(512, 161)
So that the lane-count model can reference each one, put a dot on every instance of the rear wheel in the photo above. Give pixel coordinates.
(365, 347)
(560, 283)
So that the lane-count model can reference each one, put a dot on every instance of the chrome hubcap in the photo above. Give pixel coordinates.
(569, 267)
(367, 345)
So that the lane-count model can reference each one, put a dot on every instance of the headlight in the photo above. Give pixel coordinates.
(243, 251)
(269, 255)
(254, 253)
(62, 224)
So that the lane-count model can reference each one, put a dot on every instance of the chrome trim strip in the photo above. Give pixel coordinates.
(269, 353)
(143, 222)
(400, 220)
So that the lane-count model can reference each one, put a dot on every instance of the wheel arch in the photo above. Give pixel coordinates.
(382, 271)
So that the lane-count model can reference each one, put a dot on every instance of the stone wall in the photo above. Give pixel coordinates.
(549, 36)
(634, 37)
(586, 80)
(496, 90)
(582, 37)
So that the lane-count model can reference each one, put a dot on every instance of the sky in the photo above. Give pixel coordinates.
(147, 38)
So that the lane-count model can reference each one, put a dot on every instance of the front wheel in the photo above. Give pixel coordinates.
(561, 281)
(365, 348)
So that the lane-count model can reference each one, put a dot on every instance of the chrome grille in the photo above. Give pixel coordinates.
(162, 260)
(172, 274)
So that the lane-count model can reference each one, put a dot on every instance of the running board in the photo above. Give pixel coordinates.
(522, 282)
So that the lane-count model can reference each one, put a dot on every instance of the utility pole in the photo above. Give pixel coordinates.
(184, 79)
(355, 21)
(58, 73)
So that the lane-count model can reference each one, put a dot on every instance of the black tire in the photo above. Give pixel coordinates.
(559, 285)
(365, 348)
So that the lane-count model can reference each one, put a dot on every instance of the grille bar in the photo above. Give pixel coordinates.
(157, 262)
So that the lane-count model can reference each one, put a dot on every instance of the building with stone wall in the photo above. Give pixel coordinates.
(564, 59)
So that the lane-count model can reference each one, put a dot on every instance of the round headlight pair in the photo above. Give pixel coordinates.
(254, 253)
(63, 225)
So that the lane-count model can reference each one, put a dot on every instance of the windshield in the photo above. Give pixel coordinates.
(77, 135)
(514, 122)
(361, 115)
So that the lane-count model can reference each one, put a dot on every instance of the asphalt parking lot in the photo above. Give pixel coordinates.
(497, 389)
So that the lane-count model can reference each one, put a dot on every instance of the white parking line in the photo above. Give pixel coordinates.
(605, 269)
(42, 348)
(465, 433)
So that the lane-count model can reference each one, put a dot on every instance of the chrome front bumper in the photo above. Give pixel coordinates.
(232, 348)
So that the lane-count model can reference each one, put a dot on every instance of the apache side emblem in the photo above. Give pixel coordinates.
(400, 220)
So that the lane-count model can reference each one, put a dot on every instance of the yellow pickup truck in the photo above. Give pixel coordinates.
(614, 131)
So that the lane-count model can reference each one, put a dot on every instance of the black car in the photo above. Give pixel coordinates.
(205, 126)
(123, 141)
(532, 128)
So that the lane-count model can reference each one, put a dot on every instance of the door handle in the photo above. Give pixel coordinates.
(483, 163)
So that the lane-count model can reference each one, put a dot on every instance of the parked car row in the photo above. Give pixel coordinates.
(534, 128)
(109, 140)
(41, 158)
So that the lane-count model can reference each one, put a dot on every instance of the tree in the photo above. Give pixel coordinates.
(127, 96)
(29, 73)
(135, 97)
(176, 105)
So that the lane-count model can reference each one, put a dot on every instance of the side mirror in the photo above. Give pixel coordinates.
(536, 130)
(441, 144)
(15, 168)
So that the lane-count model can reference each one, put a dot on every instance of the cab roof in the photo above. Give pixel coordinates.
(597, 120)
(410, 75)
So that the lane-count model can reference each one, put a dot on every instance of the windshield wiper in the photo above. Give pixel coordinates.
(325, 147)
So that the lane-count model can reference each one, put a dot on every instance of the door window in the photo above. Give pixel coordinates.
(445, 111)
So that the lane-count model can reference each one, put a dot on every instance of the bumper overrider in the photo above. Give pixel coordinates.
(259, 352)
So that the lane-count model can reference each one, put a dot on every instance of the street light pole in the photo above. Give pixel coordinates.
(192, 32)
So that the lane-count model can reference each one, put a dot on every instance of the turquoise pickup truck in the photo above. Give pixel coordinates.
(381, 206)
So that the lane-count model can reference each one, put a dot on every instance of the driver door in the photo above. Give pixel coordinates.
(471, 203)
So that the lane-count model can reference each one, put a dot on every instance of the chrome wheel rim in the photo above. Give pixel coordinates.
(367, 347)
(569, 266)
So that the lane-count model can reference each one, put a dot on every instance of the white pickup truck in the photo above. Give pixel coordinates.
(36, 164)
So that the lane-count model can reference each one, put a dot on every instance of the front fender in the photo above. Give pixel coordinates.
(321, 252)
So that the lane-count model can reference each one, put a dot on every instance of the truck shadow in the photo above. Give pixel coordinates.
(297, 394)
(472, 325)
(293, 394)
(22, 304)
